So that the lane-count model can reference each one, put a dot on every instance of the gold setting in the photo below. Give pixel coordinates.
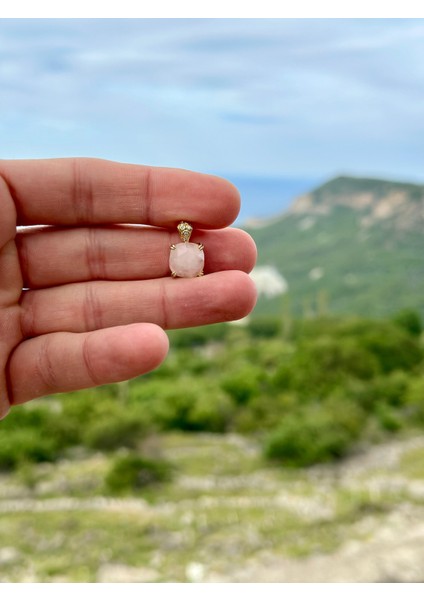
(185, 230)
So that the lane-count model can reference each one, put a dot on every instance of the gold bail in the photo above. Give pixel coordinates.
(185, 230)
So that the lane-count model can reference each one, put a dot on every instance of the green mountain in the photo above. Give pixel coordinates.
(352, 245)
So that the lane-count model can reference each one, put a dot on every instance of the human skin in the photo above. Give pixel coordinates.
(86, 294)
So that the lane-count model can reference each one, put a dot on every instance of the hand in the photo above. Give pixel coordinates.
(84, 302)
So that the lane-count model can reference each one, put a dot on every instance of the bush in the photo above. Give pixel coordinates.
(394, 348)
(265, 327)
(264, 412)
(392, 345)
(320, 365)
(198, 336)
(34, 433)
(316, 434)
(26, 445)
(409, 320)
(114, 431)
(188, 404)
(242, 385)
(387, 389)
(388, 418)
(132, 473)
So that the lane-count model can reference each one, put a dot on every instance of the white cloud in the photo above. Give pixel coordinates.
(281, 96)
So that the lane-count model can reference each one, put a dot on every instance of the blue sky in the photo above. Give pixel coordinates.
(290, 98)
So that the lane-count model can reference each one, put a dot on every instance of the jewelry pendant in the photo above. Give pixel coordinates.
(186, 259)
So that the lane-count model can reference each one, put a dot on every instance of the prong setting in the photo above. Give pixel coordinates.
(186, 259)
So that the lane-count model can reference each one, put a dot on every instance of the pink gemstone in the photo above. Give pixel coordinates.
(186, 260)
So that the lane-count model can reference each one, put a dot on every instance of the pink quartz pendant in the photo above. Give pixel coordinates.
(186, 259)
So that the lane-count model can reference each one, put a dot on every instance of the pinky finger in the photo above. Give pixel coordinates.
(62, 362)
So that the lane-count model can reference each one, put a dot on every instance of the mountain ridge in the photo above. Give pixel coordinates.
(357, 192)
(356, 241)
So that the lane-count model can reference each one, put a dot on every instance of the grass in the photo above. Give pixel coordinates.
(72, 545)
(224, 507)
(412, 463)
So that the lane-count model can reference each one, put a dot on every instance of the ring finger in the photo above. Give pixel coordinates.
(169, 303)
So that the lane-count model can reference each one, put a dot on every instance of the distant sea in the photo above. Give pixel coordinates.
(263, 197)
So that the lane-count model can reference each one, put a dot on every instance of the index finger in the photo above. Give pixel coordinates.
(71, 191)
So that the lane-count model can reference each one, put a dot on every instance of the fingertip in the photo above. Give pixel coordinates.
(220, 201)
(250, 251)
(152, 337)
(124, 352)
(239, 292)
(248, 294)
(230, 199)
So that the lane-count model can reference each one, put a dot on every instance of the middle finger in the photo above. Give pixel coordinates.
(51, 257)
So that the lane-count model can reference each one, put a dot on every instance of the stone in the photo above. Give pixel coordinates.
(195, 572)
(9, 555)
(186, 260)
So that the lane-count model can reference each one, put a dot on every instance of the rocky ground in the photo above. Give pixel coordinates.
(225, 517)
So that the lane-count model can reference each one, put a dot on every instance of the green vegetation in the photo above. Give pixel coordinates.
(345, 185)
(357, 248)
(132, 473)
(309, 393)
(226, 508)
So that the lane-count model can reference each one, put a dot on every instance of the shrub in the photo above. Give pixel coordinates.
(133, 472)
(387, 389)
(117, 430)
(388, 418)
(393, 347)
(264, 412)
(26, 445)
(409, 320)
(316, 434)
(34, 433)
(320, 365)
(211, 412)
(198, 336)
(265, 327)
(188, 404)
(242, 385)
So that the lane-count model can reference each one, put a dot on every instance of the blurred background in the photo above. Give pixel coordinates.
(286, 447)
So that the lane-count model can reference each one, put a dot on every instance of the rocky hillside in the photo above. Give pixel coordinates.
(225, 517)
(351, 245)
(376, 200)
